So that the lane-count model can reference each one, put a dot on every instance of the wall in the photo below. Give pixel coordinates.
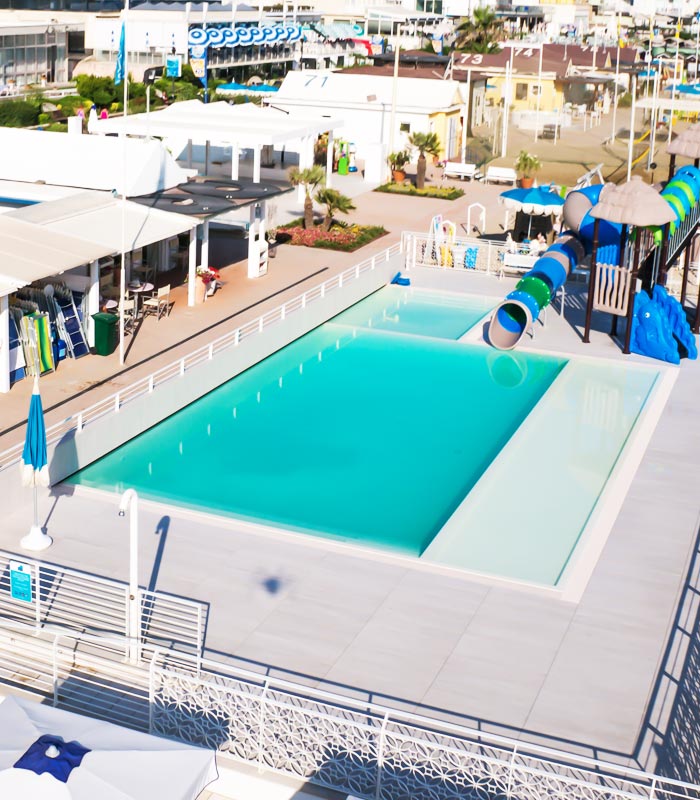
(100, 437)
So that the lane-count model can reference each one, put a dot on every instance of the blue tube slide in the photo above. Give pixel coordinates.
(521, 308)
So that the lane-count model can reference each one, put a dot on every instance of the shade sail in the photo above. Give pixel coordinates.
(30, 252)
(99, 217)
(121, 764)
(633, 203)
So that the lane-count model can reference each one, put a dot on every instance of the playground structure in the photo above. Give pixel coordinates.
(632, 235)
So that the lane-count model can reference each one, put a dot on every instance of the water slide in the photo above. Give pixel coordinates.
(536, 289)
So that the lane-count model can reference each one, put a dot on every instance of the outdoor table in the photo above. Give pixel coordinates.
(136, 291)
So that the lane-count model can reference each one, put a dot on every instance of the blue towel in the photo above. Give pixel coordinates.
(69, 757)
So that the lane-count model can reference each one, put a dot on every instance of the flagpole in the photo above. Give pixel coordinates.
(122, 279)
(617, 78)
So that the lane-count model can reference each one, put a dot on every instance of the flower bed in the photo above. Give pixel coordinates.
(346, 238)
(440, 192)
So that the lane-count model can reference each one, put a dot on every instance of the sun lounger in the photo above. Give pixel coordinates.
(455, 169)
(501, 175)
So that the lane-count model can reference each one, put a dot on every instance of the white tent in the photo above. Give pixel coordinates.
(121, 764)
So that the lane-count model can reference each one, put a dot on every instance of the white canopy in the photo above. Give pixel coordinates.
(121, 764)
(29, 252)
(100, 218)
(88, 162)
(244, 125)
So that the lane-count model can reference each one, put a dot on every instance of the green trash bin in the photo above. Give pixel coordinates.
(343, 165)
(106, 333)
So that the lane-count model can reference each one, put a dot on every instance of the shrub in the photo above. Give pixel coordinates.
(439, 192)
(19, 113)
(101, 91)
(346, 238)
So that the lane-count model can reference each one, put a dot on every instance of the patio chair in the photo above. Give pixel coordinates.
(159, 304)
(129, 315)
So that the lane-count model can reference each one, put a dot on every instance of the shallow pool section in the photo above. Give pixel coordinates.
(352, 433)
(525, 516)
(418, 311)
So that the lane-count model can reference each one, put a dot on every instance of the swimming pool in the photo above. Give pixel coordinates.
(370, 431)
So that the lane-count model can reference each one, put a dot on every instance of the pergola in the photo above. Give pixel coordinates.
(244, 126)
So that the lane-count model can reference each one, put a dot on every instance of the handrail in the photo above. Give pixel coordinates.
(114, 402)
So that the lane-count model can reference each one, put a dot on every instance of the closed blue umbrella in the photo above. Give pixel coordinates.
(35, 470)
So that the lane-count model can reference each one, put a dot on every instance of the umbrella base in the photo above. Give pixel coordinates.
(36, 539)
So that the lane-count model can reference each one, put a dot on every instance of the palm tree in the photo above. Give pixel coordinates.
(309, 178)
(425, 143)
(481, 33)
(335, 203)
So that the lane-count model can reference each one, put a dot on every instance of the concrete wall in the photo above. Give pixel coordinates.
(77, 450)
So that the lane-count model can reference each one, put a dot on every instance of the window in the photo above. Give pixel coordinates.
(536, 89)
(521, 91)
(405, 127)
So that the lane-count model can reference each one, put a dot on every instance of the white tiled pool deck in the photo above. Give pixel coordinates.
(579, 676)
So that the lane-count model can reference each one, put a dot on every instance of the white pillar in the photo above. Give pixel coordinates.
(235, 161)
(256, 164)
(4, 344)
(205, 244)
(192, 266)
(189, 154)
(329, 161)
(93, 300)
(206, 157)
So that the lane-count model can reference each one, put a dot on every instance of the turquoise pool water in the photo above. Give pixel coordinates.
(380, 429)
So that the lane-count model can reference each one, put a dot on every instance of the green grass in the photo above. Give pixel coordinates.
(440, 192)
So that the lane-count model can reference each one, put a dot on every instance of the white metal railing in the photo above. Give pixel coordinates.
(70, 600)
(482, 255)
(112, 404)
(371, 751)
(346, 744)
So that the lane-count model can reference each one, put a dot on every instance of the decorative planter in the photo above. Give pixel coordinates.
(527, 183)
(200, 290)
(398, 175)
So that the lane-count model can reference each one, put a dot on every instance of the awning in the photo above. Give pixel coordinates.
(29, 252)
(99, 218)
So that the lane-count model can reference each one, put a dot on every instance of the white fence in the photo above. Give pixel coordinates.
(371, 751)
(75, 423)
(68, 600)
(482, 255)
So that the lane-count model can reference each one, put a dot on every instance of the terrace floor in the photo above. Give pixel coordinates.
(592, 676)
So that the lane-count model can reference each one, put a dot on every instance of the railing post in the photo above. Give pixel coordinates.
(303, 300)
(237, 337)
(283, 311)
(182, 366)
(37, 596)
(79, 425)
(211, 351)
(54, 671)
(323, 289)
(261, 725)
(340, 281)
(380, 756)
(116, 403)
(151, 690)
(150, 383)
(509, 787)
(373, 262)
(261, 325)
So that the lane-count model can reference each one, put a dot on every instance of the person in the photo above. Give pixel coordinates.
(510, 244)
(104, 114)
(541, 241)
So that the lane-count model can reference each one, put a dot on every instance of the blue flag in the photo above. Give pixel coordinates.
(121, 59)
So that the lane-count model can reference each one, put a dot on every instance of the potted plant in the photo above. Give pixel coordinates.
(397, 162)
(271, 242)
(527, 165)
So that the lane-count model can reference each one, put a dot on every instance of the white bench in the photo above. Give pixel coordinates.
(456, 169)
(501, 175)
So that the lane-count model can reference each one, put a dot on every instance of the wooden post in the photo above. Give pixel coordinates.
(696, 162)
(661, 277)
(621, 259)
(591, 282)
(686, 270)
(671, 166)
(630, 301)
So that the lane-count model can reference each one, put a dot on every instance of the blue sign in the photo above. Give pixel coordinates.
(173, 67)
(21, 582)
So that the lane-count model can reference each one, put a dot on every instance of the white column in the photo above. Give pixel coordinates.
(93, 300)
(192, 266)
(189, 154)
(206, 157)
(329, 160)
(205, 244)
(235, 161)
(4, 344)
(466, 111)
(256, 164)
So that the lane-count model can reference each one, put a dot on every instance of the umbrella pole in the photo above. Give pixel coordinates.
(36, 507)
